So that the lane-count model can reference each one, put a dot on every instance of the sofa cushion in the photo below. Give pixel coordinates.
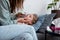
(47, 22)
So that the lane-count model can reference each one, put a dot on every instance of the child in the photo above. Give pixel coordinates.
(27, 19)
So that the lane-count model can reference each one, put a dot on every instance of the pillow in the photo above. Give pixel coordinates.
(56, 22)
(47, 21)
(39, 22)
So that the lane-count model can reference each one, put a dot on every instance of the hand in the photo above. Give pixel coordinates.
(29, 19)
(20, 20)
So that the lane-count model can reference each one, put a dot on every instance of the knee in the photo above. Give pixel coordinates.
(24, 36)
(32, 28)
(27, 36)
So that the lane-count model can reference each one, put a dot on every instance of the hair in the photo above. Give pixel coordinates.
(16, 4)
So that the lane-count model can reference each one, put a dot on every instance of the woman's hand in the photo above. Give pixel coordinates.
(20, 20)
(29, 19)
(23, 20)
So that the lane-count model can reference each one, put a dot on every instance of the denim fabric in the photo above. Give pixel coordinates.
(12, 31)
(25, 36)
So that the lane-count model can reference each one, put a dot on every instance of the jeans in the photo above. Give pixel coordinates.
(17, 32)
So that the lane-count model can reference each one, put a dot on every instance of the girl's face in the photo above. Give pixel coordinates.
(30, 19)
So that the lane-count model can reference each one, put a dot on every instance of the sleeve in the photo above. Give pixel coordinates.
(5, 17)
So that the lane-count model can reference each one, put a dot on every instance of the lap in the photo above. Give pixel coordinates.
(25, 36)
(11, 31)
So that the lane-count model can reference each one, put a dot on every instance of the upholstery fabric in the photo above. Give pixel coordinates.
(47, 22)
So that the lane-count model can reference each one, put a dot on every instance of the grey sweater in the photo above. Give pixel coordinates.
(5, 13)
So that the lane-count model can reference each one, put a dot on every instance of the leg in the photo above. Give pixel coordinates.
(11, 31)
(25, 36)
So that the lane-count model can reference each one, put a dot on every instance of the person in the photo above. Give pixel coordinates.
(29, 19)
(9, 28)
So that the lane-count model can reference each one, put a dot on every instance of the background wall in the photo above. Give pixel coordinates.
(37, 6)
